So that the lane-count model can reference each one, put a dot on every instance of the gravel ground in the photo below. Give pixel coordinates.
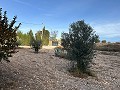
(43, 71)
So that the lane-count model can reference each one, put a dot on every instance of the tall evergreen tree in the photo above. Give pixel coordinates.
(79, 43)
(38, 35)
(45, 36)
(31, 37)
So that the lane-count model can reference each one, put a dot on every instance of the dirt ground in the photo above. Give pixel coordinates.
(43, 71)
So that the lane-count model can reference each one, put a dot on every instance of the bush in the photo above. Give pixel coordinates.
(60, 52)
(7, 36)
(36, 45)
(108, 47)
(80, 43)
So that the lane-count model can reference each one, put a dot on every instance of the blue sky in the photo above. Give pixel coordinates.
(102, 15)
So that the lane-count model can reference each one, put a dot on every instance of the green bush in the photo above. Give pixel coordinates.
(60, 52)
(80, 43)
(36, 45)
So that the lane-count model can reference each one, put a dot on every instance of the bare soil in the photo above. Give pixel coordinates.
(43, 71)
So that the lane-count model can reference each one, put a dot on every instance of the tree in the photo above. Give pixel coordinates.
(36, 41)
(53, 35)
(97, 40)
(38, 35)
(25, 38)
(45, 36)
(36, 45)
(31, 37)
(19, 37)
(79, 43)
(7, 35)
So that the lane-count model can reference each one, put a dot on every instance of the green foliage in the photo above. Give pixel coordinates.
(60, 52)
(36, 45)
(19, 37)
(36, 41)
(25, 38)
(97, 40)
(53, 35)
(79, 43)
(28, 38)
(38, 35)
(45, 36)
(7, 35)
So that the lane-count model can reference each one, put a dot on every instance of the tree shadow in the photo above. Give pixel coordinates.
(7, 79)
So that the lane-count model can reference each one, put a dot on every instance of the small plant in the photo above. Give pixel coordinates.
(60, 52)
(36, 45)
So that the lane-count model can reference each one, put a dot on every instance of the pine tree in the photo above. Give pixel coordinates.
(79, 43)
(7, 35)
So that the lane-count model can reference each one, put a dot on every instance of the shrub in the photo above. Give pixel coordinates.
(60, 52)
(79, 43)
(117, 42)
(36, 45)
(108, 47)
(7, 36)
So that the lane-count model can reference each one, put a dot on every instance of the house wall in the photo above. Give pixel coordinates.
(53, 43)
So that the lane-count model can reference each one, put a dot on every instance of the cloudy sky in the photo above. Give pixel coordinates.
(102, 15)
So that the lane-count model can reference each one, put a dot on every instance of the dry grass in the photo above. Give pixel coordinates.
(108, 47)
(44, 71)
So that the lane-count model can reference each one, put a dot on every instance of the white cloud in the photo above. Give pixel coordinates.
(22, 2)
(110, 30)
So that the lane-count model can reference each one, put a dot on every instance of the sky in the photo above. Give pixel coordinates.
(57, 15)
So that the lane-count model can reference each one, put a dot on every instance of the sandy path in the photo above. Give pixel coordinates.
(44, 71)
